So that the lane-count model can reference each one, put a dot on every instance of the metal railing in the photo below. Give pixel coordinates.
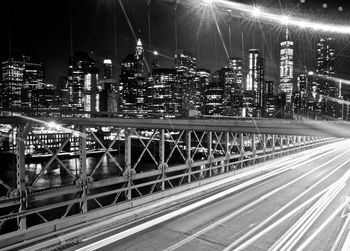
(147, 162)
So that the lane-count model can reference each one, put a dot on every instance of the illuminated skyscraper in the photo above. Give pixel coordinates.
(255, 79)
(107, 69)
(185, 65)
(161, 89)
(82, 83)
(133, 85)
(286, 68)
(19, 79)
(325, 62)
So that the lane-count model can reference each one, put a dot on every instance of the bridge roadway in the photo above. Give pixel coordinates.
(304, 204)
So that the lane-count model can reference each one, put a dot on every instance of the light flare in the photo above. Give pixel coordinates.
(268, 16)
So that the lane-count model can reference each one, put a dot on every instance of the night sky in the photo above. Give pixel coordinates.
(41, 30)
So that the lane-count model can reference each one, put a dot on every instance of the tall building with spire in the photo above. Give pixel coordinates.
(133, 85)
(286, 68)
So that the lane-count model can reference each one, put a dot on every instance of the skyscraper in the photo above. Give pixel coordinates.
(82, 82)
(19, 79)
(185, 65)
(286, 68)
(107, 69)
(325, 63)
(255, 80)
(161, 89)
(133, 85)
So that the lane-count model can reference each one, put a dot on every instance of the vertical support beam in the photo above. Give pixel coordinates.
(83, 172)
(189, 160)
(228, 153)
(20, 173)
(210, 152)
(241, 145)
(128, 171)
(253, 148)
(273, 146)
(162, 167)
(264, 146)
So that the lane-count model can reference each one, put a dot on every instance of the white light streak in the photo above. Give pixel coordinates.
(265, 15)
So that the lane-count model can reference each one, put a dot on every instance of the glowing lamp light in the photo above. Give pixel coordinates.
(256, 12)
(310, 73)
(285, 20)
(155, 53)
(53, 125)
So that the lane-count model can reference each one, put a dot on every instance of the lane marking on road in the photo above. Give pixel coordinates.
(151, 223)
(266, 221)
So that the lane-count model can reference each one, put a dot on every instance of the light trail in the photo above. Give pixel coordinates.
(325, 223)
(154, 222)
(308, 219)
(241, 210)
(255, 229)
(264, 15)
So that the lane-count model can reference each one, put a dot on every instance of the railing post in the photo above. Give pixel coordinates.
(273, 146)
(83, 172)
(210, 152)
(162, 166)
(253, 148)
(228, 153)
(189, 160)
(128, 168)
(241, 139)
(264, 146)
(21, 136)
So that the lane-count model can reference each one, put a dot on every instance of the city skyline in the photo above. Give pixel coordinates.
(100, 26)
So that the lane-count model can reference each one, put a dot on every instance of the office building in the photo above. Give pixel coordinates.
(185, 65)
(82, 83)
(107, 69)
(19, 79)
(133, 85)
(286, 68)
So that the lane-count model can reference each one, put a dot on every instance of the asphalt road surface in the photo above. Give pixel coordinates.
(302, 205)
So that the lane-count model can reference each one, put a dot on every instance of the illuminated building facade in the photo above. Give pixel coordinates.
(161, 91)
(255, 80)
(213, 92)
(255, 75)
(82, 83)
(325, 69)
(107, 69)
(268, 108)
(286, 68)
(202, 80)
(19, 79)
(133, 85)
(185, 65)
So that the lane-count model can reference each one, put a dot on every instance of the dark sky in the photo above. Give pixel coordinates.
(40, 29)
